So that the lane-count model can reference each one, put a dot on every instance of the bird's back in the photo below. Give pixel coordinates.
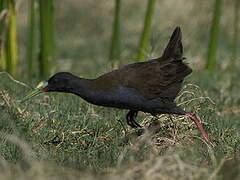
(157, 81)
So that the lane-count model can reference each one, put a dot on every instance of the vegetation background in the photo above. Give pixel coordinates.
(59, 136)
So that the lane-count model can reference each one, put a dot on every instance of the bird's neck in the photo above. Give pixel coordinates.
(81, 87)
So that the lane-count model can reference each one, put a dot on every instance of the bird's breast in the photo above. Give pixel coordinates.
(124, 98)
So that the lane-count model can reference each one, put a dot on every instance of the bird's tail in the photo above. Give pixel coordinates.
(174, 47)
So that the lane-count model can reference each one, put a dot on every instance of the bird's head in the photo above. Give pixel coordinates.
(59, 82)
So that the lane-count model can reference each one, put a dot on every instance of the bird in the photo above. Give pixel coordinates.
(150, 86)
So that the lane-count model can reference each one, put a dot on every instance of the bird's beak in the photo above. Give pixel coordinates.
(41, 87)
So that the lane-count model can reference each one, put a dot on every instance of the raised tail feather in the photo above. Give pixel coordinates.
(174, 48)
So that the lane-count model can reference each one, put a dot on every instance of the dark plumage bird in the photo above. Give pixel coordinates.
(149, 86)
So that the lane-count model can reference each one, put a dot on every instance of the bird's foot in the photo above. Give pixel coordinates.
(131, 115)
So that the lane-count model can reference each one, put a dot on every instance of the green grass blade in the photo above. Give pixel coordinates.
(144, 41)
(46, 37)
(212, 50)
(115, 44)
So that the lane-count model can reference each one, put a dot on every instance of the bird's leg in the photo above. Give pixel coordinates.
(199, 126)
(131, 115)
(129, 118)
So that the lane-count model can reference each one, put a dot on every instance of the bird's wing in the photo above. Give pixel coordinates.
(160, 77)
(157, 78)
(154, 79)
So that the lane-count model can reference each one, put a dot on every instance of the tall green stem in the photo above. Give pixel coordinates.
(144, 41)
(212, 50)
(3, 34)
(31, 43)
(9, 47)
(46, 37)
(236, 30)
(115, 44)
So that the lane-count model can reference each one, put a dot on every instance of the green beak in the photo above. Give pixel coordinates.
(39, 89)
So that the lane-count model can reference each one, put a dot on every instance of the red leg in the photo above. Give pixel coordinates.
(199, 126)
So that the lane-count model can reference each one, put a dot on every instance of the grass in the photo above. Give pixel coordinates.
(82, 138)
(56, 136)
